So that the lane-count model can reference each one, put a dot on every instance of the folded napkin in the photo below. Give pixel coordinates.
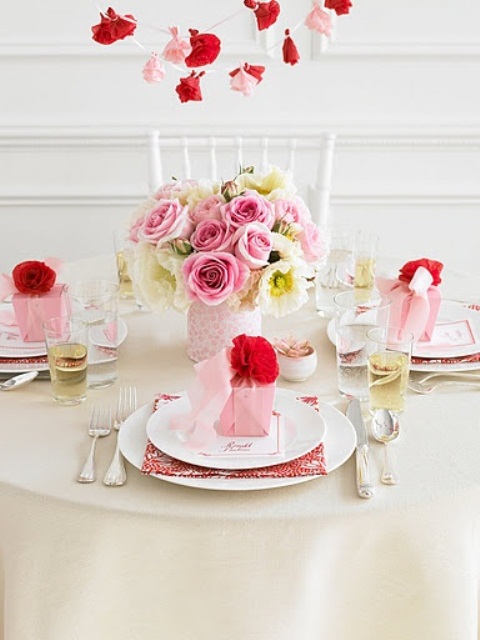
(474, 357)
(157, 462)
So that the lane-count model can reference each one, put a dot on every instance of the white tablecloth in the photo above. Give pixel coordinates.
(154, 560)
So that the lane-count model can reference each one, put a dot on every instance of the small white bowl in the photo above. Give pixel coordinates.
(297, 369)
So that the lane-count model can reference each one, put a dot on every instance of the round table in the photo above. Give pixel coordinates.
(156, 560)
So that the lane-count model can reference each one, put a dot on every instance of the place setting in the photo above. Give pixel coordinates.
(201, 440)
(69, 333)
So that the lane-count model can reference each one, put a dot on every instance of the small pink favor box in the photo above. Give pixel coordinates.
(409, 311)
(248, 411)
(31, 311)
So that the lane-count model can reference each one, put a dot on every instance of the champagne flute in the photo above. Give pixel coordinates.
(388, 370)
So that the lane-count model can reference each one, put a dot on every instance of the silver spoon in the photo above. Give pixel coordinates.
(18, 381)
(386, 428)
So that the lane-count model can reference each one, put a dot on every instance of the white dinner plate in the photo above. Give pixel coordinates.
(339, 441)
(305, 429)
(20, 367)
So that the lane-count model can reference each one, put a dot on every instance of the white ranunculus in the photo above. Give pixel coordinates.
(200, 191)
(274, 183)
(173, 262)
(283, 287)
(155, 284)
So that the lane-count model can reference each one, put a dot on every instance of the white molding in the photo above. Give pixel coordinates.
(52, 137)
(132, 199)
(386, 50)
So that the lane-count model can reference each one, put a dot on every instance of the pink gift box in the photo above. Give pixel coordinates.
(31, 311)
(409, 310)
(248, 411)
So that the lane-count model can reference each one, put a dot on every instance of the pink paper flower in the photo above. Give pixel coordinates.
(154, 69)
(245, 78)
(177, 48)
(212, 235)
(208, 209)
(319, 20)
(312, 243)
(249, 207)
(166, 221)
(253, 245)
(212, 277)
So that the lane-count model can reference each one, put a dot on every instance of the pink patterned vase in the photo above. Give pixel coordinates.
(211, 328)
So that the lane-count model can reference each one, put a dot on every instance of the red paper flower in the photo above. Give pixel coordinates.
(289, 50)
(266, 13)
(254, 357)
(33, 277)
(113, 27)
(205, 49)
(408, 270)
(339, 6)
(189, 88)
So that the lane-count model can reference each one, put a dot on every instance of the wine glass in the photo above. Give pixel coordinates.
(389, 354)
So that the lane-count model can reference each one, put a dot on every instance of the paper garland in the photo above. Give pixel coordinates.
(202, 49)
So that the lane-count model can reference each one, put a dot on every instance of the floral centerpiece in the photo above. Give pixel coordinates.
(247, 245)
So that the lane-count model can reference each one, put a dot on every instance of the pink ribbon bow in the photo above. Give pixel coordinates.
(208, 394)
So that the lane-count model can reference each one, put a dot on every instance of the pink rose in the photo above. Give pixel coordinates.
(166, 221)
(134, 228)
(292, 210)
(169, 191)
(212, 277)
(208, 209)
(312, 242)
(212, 235)
(249, 207)
(253, 244)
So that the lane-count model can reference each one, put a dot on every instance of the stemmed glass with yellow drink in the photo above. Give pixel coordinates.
(389, 354)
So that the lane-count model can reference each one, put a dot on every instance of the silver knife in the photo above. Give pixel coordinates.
(365, 487)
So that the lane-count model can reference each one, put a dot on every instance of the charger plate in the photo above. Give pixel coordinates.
(339, 443)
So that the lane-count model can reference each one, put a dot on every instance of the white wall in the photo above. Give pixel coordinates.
(399, 86)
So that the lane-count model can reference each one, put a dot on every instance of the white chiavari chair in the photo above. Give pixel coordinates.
(219, 157)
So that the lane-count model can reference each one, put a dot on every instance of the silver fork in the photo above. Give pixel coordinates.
(419, 387)
(116, 474)
(472, 374)
(100, 426)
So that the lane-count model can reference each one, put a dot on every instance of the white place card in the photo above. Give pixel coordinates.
(236, 446)
(458, 333)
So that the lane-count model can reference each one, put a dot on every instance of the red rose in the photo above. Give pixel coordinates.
(254, 357)
(113, 27)
(189, 88)
(408, 270)
(339, 6)
(33, 277)
(266, 13)
(205, 49)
